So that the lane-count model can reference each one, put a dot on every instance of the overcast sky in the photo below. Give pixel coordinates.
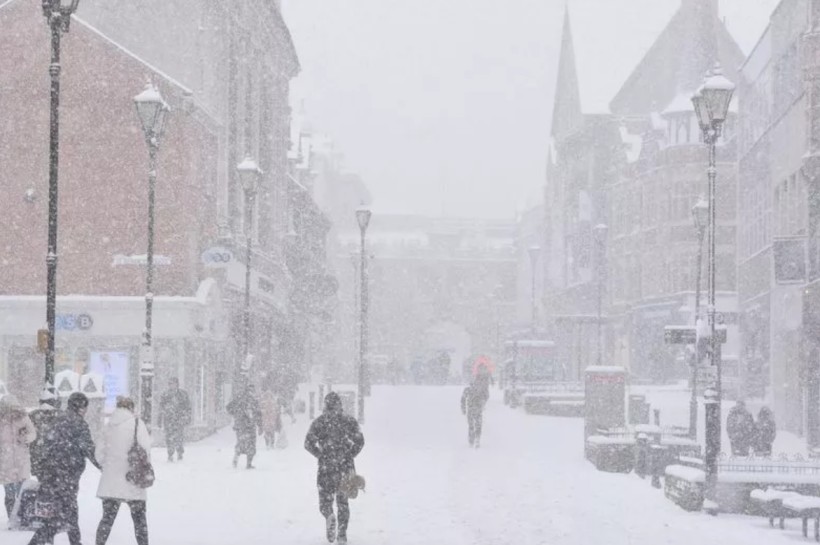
(443, 106)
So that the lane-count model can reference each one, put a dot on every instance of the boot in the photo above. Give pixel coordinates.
(330, 527)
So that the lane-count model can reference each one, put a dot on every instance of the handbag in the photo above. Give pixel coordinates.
(140, 471)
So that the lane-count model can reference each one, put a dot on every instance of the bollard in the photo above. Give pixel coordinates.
(312, 413)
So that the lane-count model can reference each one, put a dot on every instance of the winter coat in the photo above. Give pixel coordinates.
(246, 413)
(473, 399)
(175, 409)
(65, 448)
(765, 433)
(112, 453)
(271, 414)
(44, 420)
(740, 427)
(16, 433)
(335, 439)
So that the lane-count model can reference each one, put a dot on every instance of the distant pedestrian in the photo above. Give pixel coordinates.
(271, 416)
(119, 435)
(765, 432)
(16, 434)
(740, 426)
(43, 418)
(473, 399)
(174, 417)
(335, 440)
(65, 449)
(247, 419)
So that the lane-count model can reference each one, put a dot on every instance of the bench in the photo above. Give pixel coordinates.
(770, 503)
(805, 508)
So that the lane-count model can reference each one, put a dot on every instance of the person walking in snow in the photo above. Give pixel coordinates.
(271, 416)
(765, 432)
(335, 440)
(740, 426)
(65, 449)
(122, 429)
(247, 418)
(473, 399)
(174, 416)
(16, 434)
(43, 418)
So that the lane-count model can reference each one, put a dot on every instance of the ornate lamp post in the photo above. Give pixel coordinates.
(363, 218)
(152, 112)
(711, 104)
(600, 232)
(58, 16)
(249, 175)
(535, 252)
(700, 215)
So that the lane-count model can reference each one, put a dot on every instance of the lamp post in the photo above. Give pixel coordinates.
(711, 104)
(535, 252)
(152, 112)
(249, 175)
(700, 215)
(58, 16)
(600, 231)
(363, 218)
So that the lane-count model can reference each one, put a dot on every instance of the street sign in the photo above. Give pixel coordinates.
(216, 257)
(675, 334)
(146, 360)
(42, 340)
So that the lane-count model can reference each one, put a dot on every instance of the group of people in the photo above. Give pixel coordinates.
(749, 435)
(254, 416)
(53, 445)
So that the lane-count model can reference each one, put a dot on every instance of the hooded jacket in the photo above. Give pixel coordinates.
(16, 433)
(112, 453)
(335, 439)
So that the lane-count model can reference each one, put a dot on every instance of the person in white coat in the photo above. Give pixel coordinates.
(112, 453)
(16, 434)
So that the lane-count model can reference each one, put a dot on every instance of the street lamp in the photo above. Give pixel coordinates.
(535, 252)
(249, 175)
(363, 218)
(700, 215)
(711, 104)
(600, 231)
(152, 112)
(58, 16)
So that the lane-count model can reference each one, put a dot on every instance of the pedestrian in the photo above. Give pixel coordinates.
(43, 418)
(64, 449)
(335, 440)
(473, 399)
(16, 434)
(122, 430)
(271, 416)
(247, 418)
(740, 426)
(174, 416)
(765, 432)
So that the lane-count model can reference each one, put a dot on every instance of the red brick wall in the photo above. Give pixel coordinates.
(103, 167)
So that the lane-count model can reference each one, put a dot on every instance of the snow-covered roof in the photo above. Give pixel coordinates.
(680, 104)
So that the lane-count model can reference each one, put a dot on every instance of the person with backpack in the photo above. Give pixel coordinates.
(65, 449)
(174, 416)
(123, 430)
(473, 399)
(334, 439)
(247, 418)
(16, 434)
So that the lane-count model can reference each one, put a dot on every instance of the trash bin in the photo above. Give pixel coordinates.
(638, 409)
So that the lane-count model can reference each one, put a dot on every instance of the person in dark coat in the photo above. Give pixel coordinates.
(740, 426)
(473, 400)
(174, 416)
(65, 449)
(247, 421)
(335, 439)
(765, 432)
(43, 418)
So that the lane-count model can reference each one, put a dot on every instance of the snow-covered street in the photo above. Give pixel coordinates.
(528, 484)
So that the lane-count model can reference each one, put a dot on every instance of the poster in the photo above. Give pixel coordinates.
(114, 368)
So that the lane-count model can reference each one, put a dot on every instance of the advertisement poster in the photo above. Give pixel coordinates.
(113, 366)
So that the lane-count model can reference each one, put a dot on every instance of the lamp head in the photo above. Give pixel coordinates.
(363, 215)
(249, 174)
(152, 111)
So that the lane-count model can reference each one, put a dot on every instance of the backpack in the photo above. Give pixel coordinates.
(140, 471)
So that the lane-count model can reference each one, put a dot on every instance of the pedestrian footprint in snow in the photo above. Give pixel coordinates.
(247, 419)
(335, 439)
(473, 400)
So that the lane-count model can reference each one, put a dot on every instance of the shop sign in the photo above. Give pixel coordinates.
(73, 322)
(216, 257)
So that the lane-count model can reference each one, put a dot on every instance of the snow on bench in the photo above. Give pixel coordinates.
(610, 440)
(770, 502)
(805, 507)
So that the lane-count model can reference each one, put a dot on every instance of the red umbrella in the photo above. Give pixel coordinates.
(483, 361)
